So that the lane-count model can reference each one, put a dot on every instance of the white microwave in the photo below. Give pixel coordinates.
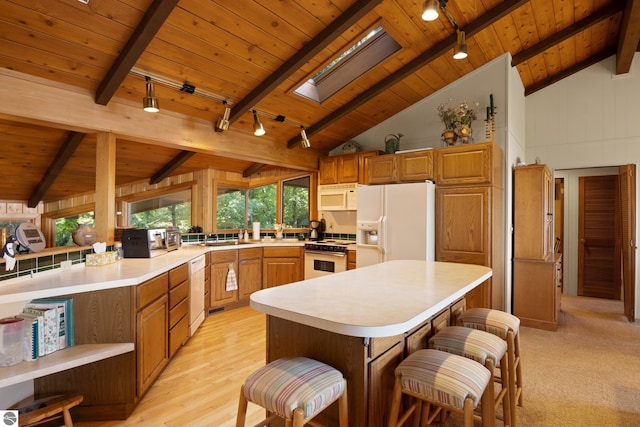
(338, 197)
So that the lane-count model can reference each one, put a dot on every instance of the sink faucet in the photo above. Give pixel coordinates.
(211, 236)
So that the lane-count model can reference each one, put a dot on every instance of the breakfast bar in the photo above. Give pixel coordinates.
(359, 322)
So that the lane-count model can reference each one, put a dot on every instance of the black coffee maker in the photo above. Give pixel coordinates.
(317, 230)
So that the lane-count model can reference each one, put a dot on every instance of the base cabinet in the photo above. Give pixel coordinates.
(537, 291)
(249, 272)
(220, 261)
(282, 265)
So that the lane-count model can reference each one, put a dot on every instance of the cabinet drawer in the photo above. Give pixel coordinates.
(151, 290)
(418, 338)
(456, 309)
(281, 251)
(178, 293)
(178, 275)
(178, 335)
(440, 321)
(377, 346)
(223, 256)
(178, 312)
(250, 253)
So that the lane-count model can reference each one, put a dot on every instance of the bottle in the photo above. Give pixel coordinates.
(246, 236)
(241, 235)
(119, 251)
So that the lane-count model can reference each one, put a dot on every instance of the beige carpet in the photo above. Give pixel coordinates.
(587, 373)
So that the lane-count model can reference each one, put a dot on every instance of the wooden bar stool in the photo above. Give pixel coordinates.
(294, 389)
(484, 348)
(447, 381)
(47, 409)
(506, 326)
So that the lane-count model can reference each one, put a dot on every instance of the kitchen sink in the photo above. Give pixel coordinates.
(224, 243)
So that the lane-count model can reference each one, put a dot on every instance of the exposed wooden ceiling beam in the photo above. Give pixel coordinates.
(604, 13)
(334, 30)
(254, 168)
(62, 157)
(436, 51)
(167, 169)
(569, 71)
(137, 43)
(629, 36)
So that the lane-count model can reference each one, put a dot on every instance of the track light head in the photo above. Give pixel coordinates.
(223, 122)
(150, 102)
(430, 10)
(258, 128)
(305, 140)
(461, 46)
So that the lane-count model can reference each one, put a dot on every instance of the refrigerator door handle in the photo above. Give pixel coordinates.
(382, 234)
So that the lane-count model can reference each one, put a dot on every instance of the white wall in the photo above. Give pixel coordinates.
(587, 120)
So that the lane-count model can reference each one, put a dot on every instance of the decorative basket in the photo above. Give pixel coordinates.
(350, 147)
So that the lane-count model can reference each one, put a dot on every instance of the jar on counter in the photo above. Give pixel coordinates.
(119, 252)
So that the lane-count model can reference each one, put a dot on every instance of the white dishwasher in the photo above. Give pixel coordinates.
(196, 296)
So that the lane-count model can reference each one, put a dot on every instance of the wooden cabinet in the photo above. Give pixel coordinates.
(456, 309)
(381, 378)
(346, 168)
(537, 291)
(418, 338)
(413, 166)
(469, 215)
(178, 308)
(537, 272)
(249, 272)
(152, 342)
(282, 265)
(207, 282)
(351, 260)
(220, 261)
(532, 212)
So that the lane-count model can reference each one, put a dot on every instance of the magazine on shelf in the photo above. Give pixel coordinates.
(50, 326)
(69, 330)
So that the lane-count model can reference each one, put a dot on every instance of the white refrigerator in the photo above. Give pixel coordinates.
(395, 221)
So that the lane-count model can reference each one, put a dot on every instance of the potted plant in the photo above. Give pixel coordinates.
(457, 122)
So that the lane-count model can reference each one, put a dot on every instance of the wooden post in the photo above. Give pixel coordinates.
(105, 201)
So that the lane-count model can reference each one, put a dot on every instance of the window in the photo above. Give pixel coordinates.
(64, 227)
(237, 208)
(364, 55)
(168, 210)
(295, 202)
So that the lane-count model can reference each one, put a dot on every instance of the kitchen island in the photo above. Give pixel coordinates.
(359, 321)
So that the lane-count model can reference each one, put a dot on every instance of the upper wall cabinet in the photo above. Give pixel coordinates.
(413, 166)
(469, 164)
(345, 168)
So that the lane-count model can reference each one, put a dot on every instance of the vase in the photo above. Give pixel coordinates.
(449, 137)
(84, 235)
(392, 143)
(464, 134)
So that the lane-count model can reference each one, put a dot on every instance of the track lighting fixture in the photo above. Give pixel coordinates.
(461, 47)
(223, 122)
(430, 10)
(305, 140)
(258, 129)
(150, 102)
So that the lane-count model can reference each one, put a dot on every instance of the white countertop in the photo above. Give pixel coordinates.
(126, 272)
(376, 301)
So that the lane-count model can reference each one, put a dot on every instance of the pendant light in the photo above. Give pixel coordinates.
(461, 46)
(305, 140)
(150, 102)
(430, 10)
(258, 129)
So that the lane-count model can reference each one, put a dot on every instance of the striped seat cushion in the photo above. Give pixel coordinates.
(443, 377)
(286, 384)
(494, 321)
(470, 343)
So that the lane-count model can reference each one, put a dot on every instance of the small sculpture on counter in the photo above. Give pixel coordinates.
(9, 253)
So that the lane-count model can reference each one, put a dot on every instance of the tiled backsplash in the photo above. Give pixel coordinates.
(37, 264)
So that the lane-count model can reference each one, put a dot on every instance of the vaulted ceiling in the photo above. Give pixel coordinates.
(253, 54)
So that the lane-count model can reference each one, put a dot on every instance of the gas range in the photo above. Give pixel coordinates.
(329, 245)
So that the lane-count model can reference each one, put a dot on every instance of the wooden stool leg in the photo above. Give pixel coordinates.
(395, 403)
(343, 407)
(506, 400)
(488, 402)
(298, 419)
(468, 412)
(518, 369)
(242, 409)
(512, 375)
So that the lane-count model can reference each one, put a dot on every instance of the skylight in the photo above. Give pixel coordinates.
(368, 52)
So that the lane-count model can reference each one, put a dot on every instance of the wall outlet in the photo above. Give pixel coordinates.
(65, 264)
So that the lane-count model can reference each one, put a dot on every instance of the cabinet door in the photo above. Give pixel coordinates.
(280, 271)
(532, 212)
(220, 261)
(328, 170)
(416, 166)
(535, 292)
(348, 168)
(468, 164)
(152, 344)
(381, 381)
(382, 169)
(249, 277)
(419, 338)
(363, 165)
(351, 260)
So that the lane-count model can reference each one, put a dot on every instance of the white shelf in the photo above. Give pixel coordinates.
(61, 360)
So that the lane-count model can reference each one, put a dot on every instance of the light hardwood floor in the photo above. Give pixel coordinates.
(201, 385)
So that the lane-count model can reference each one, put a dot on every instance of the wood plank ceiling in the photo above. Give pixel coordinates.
(253, 54)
